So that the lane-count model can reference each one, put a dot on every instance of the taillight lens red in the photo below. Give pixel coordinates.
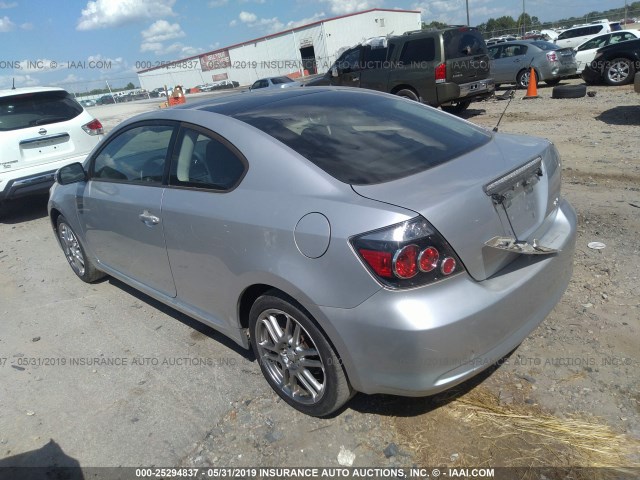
(441, 73)
(380, 262)
(408, 254)
(448, 266)
(428, 259)
(552, 56)
(94, 127)
(405, 262)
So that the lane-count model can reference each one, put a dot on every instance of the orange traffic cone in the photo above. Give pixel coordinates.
(532, 89)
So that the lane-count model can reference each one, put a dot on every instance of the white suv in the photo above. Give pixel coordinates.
(41, 130)
(574, 36)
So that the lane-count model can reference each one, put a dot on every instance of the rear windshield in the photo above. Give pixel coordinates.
(362, 138)
(35, 109)
(542, 45)
(279, 80)
(463, 43)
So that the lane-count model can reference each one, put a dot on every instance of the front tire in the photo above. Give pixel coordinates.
(619, 71)
(295, 357)
(75, 254)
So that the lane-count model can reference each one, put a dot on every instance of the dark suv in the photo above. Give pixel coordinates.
(448, 68)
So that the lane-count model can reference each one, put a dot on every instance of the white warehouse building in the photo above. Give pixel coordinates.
(307, 49)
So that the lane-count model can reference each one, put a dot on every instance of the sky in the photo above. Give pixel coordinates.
(80, 44)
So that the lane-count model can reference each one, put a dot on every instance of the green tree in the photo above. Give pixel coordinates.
(434, 24)
(130, 86)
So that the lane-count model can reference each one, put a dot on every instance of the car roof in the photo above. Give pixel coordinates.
(22, 90)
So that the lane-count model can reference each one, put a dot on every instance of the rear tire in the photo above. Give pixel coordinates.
(456, 107)
(569, 91)
(619, 71)
(75, 254)
(407, 93)
(295, 357)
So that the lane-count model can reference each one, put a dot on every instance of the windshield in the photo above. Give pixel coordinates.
(362, 138)
(35, 109)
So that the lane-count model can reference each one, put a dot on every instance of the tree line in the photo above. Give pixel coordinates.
(508, 24)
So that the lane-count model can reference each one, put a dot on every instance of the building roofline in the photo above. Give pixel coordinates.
(266, 37)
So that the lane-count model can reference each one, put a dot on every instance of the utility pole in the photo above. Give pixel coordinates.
(625, 12)
(524, 20)
(469, 23)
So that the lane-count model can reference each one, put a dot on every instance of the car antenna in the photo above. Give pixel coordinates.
(512, 93)
(13, 87)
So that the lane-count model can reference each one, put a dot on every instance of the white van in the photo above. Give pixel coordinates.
(572, 37)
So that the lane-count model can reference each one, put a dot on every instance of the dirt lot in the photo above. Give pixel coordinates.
(569, 396)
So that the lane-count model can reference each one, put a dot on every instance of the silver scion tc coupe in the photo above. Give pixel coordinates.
(356, 241)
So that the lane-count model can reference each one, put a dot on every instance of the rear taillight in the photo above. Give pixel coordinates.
(552, 57)
(94, 127)
(407, 255)
(441, 73)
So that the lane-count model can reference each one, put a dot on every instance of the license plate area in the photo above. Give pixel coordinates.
(519, 199)
(38, 147)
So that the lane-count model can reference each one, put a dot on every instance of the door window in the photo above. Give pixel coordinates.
(137, 155)
(419, 50)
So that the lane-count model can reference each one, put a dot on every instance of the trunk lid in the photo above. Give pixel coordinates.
(459, 198)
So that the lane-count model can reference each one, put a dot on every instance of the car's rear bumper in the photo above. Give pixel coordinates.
(32, 180)
(472, 91)
(422, 341)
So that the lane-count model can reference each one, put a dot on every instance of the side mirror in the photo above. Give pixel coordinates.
(334, 71)
(72, 173)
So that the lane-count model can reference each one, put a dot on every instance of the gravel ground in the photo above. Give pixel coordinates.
(580, 365)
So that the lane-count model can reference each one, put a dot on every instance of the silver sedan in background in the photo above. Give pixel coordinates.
(274, 82)
(355, 240)
(511, 62)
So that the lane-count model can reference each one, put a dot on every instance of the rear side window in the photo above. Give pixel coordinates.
(205, 162)
(36, 109)
(419, 50)
(361, 138)
(463, 43)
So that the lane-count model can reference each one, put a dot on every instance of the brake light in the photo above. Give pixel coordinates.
(94, 127)
(407, 254)
(441, 73)
(552, 57)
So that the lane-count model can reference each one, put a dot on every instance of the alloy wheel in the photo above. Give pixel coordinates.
(290, 356)
(71, 248)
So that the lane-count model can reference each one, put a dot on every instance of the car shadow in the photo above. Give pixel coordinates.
(48, 461)
(185, 319)
(24, 209)
(623, 115)
(472, 112)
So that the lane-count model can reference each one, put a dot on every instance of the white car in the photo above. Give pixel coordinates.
(41, 130)
(586, 52)
(572, 37)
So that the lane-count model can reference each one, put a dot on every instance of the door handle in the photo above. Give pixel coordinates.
(148, 219)
(355, 79)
